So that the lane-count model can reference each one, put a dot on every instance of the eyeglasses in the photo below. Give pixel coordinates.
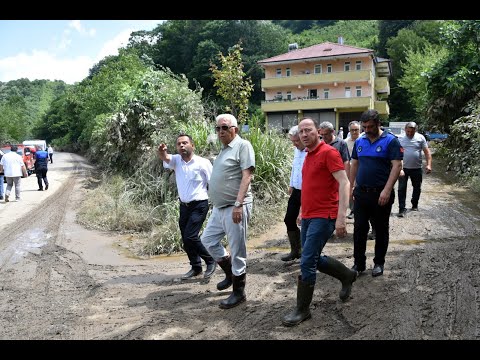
(354, 129)
(223, 127)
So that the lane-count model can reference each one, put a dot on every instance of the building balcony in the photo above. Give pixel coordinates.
(382, 85)
(312, 79)
(313, 104)
(382, 107)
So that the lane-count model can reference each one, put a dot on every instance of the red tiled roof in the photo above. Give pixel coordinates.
(316, 51)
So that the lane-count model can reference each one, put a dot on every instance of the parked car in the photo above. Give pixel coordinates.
(436, 136)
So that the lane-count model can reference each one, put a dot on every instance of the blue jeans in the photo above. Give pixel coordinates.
(1, 185)
(315, 233)
(416, 178)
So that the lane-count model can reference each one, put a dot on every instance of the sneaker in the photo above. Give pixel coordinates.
(350, 216)
(356, 268)
(6, 198)
(40, 190)
(402, 213)
(377, 270)
(18, 199)
(46, 187)
(414, 208)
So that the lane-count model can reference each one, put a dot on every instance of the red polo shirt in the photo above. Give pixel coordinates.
(319, 187)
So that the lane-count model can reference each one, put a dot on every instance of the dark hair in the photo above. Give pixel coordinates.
(14, 148)
(182, 135)
(370, 115)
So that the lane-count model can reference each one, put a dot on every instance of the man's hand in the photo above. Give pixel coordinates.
(162, 147)
(428, 169)
(237, 214)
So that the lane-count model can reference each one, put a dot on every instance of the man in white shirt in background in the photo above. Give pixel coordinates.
(294, 191)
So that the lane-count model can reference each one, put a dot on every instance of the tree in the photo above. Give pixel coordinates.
(231, 84)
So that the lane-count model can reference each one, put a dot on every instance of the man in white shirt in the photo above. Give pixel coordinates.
(192, 174)
(413, 144)
(294, 191)
(13, 167)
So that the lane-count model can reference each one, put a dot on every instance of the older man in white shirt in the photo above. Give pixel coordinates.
(13, 167)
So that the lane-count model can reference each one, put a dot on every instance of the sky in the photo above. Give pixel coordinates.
(61, 49)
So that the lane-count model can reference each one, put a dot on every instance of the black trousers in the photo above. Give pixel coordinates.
(41, 174)
(365, 208)
(192, 216)
(416, 177)
(293, 209)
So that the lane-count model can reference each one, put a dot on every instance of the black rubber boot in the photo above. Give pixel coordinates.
(339, 271)
(295, 246)
(226, 264)
(238, 294)
(304, 298)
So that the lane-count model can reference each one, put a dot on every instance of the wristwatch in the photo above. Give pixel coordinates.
(238, 204)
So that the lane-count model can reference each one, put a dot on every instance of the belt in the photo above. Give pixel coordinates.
(370, 189)
(194, 202)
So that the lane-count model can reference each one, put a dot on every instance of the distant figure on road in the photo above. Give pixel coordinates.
(1, 177)
(50, 153)
(192, 174)
(340, 133)
(13, 167)
(413, 144)
(41, 167)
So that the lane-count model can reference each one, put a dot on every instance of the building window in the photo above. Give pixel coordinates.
(347, 92)
(329, 68)
(326, 93)
(318, 69)
(279, 72)
(358, 65)
(289, 95)
(347, 66)
(358, 90)
(288, 72)
(278, 96)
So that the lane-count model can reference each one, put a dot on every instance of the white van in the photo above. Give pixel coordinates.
(41, 143)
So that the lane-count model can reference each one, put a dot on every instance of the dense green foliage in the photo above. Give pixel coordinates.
(23, 103)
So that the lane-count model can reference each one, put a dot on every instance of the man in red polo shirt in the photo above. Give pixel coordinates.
(325, 196)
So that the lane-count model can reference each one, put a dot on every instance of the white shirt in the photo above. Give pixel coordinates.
(50, 150)
(297, 164)
(12, 164)
(192, 177)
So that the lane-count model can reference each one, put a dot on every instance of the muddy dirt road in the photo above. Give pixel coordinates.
(60, 281)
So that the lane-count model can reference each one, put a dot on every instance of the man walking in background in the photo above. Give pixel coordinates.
(192, 174)
(50, 153)
(413, 144)
(294, 192)
(13, 167)
(230, 193)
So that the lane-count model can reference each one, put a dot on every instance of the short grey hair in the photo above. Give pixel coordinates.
(326, 125)
(353, 123)
(293, 131)
(411, 124)
(231, 119)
